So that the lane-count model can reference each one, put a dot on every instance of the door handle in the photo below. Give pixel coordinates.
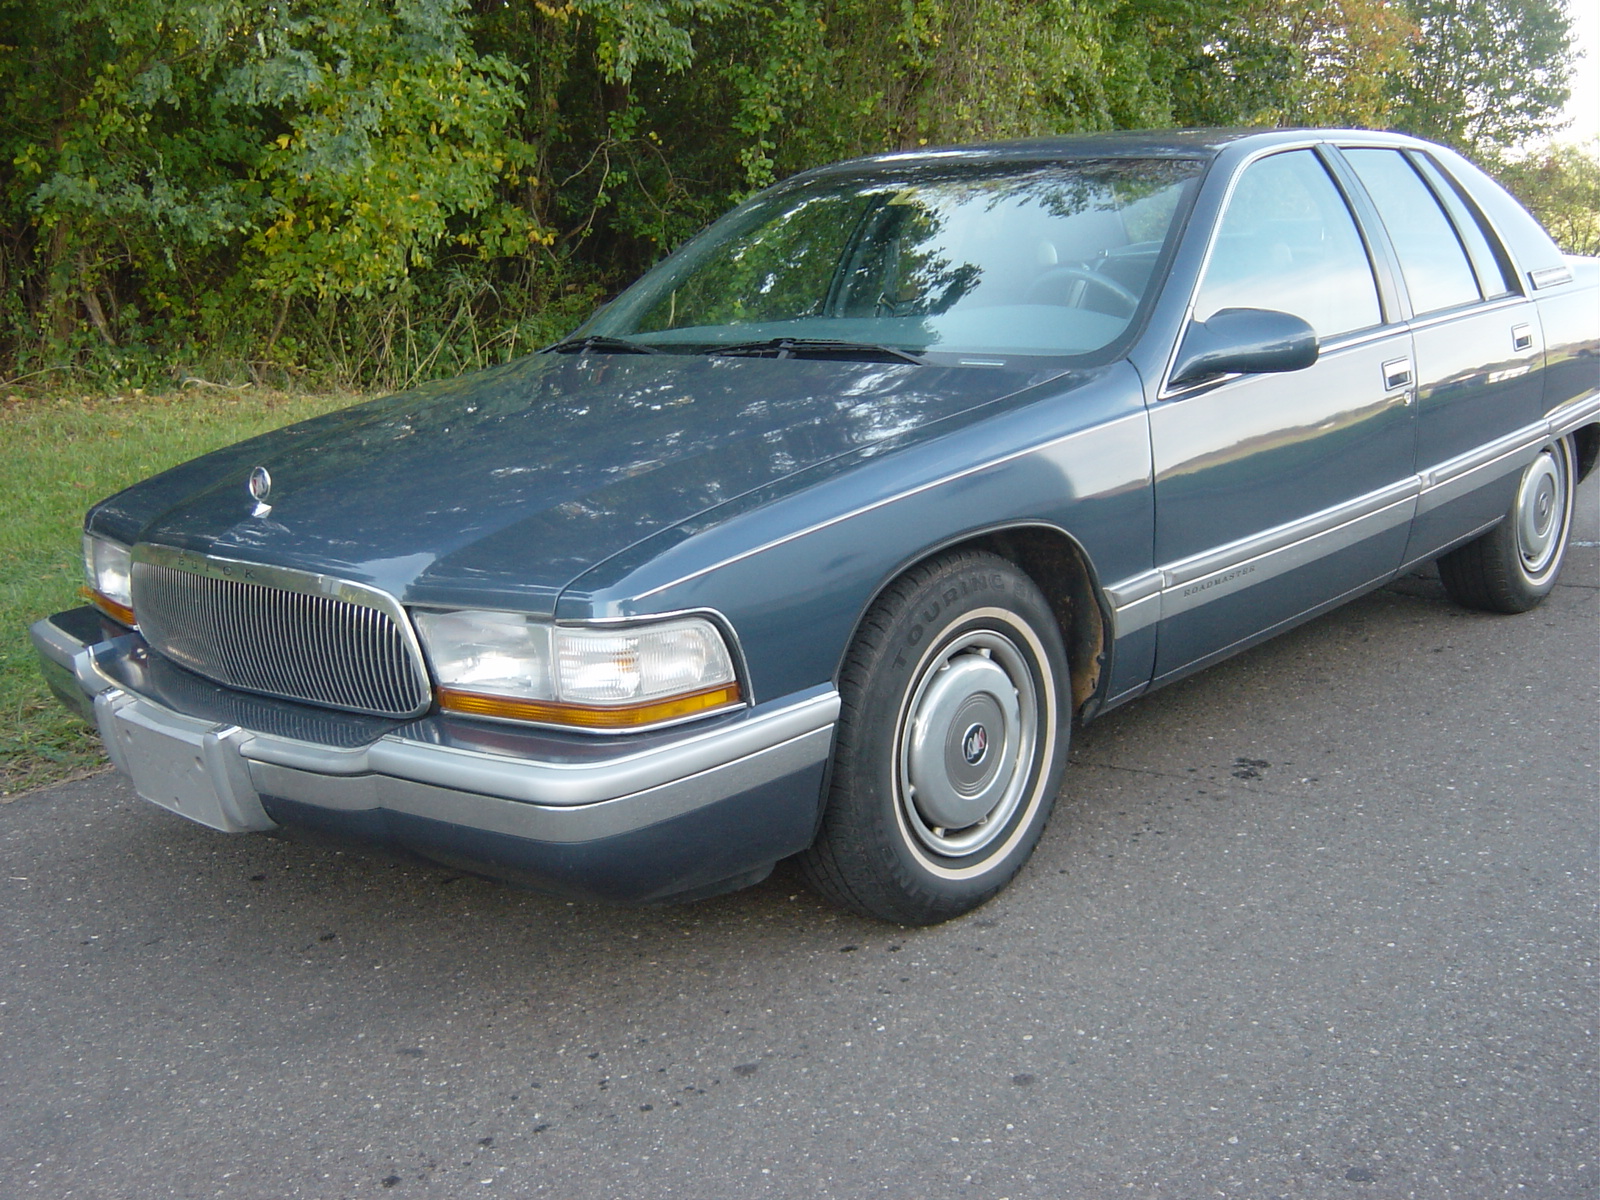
(1397, 373)
(1521, 337)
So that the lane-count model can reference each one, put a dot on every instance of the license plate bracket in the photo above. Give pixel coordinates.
(190, 767)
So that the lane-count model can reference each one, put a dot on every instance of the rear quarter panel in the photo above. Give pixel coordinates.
(1570, 316)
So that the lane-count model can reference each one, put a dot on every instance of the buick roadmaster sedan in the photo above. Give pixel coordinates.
(820, 538)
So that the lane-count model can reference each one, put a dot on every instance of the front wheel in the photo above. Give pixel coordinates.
(1514, 566)
(950, 746)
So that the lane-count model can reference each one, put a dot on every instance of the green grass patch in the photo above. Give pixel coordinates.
(57, 457)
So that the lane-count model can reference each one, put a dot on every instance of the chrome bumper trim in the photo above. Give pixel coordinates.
(496, 792)
(200, 749)
(565, 784)
(544, 822)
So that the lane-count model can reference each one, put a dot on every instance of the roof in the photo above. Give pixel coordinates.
(1142, 143)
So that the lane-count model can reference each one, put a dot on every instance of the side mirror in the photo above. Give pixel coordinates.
(1247, 340)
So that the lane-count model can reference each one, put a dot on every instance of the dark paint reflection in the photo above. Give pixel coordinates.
(591, 453)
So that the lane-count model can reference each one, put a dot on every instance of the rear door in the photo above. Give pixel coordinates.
(1478, 344)
(1277, 494)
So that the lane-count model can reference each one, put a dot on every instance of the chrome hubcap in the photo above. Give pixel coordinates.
(1540, 513)
(966, 743)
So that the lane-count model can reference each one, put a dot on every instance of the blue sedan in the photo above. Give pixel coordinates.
(822, 537)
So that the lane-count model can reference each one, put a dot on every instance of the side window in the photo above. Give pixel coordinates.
(1495, 274)
(1287, 242)
(1432, 258)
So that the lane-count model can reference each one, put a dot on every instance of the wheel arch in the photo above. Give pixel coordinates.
(1586, 442)
(1055, 561)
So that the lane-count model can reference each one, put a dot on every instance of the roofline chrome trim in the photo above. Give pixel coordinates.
(1165, 390)
(1469, 198)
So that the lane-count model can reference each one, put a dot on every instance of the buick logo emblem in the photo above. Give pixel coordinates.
(260, 486)
(974, 744)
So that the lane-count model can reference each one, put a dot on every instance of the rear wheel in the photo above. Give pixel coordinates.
(950, 746)
(1514, 566)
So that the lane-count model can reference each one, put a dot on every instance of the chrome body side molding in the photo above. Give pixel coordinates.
(1201, 578)
(1151, 596)
(1574, 414)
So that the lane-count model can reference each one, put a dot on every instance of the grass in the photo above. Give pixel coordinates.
(59, 456)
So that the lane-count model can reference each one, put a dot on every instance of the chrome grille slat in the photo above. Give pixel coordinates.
(285, 641)
(362, 666)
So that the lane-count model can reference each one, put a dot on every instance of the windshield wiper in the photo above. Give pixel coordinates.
(600, 343)
(792, 347)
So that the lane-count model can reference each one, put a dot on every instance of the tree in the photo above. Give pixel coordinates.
(1561, 186)
(298, 181)
(1339, 56)
(1485, 74)
(168, 155)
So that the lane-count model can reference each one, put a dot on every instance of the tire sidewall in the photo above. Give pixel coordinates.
(976, 593)
(1535, 587)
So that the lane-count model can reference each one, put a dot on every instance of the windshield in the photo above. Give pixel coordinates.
(1034, 259)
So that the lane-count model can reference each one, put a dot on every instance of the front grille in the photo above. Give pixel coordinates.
(300, 645)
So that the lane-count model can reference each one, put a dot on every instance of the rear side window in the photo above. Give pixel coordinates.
(1488, 259)
(1437, 272)
(1287, 242)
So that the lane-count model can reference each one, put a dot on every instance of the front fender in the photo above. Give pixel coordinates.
(794, 569)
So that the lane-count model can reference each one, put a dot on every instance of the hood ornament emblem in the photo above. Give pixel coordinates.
(260, 486)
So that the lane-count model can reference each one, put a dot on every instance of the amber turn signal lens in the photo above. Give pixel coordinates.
(120, 613)
(589, 716)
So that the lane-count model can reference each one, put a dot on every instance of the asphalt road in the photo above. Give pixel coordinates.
(1319, 922)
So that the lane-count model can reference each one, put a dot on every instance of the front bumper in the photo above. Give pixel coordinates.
(684, 811)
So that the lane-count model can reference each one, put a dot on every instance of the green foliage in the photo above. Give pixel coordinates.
(1561, 186)
(356, 191)
(217, 160)
(1485, 75)
(396, 140)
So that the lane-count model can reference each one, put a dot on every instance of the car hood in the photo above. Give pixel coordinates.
(515, 480)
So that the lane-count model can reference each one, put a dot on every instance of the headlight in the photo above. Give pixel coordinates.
(497, 664)
(105, 573)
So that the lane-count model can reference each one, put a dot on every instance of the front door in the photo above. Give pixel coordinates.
(1278, 494)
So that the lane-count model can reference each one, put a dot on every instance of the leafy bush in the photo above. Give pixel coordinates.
(1561, 186)
(363, 192)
